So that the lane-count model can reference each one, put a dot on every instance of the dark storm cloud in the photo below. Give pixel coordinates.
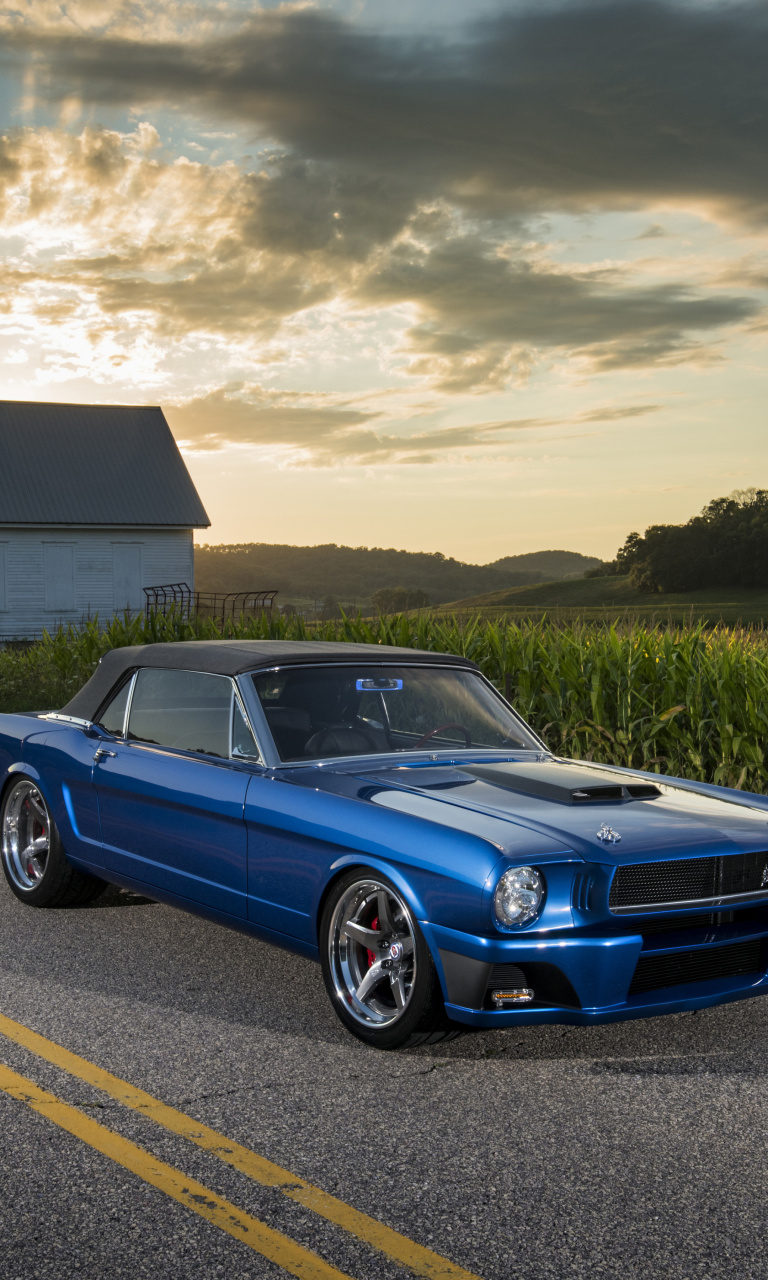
(399, 171)
(482, 312)
(219, 251)
(555, 105)
(300, 206)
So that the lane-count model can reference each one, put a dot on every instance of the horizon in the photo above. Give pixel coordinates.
(486, 286)
(342, 546)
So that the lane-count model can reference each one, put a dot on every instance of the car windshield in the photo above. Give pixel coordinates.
(317, 712)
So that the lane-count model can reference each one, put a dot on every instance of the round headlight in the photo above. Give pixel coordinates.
(518, 897)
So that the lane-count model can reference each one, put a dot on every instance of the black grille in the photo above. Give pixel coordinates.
(688, 879)
(653, 971)
(664, 923)
(671, 924)
(507, 976)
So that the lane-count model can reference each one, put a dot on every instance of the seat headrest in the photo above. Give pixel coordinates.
(288, 718)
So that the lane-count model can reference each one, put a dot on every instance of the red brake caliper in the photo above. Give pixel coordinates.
(372, 957)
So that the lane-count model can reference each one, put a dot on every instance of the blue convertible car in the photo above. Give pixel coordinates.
(386, 811)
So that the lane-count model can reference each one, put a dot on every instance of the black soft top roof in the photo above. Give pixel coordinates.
(232, 657)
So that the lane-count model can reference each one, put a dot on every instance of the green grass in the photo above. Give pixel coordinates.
(691, 701)
(608, 599)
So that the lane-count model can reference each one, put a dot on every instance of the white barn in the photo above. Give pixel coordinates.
(95, 504)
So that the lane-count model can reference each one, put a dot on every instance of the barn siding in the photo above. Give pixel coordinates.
(167, 555)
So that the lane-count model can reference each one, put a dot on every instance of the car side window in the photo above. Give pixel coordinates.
(185, 709)
(112, 718)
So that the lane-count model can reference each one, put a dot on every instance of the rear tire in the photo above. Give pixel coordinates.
(35, 864)
(377, 967)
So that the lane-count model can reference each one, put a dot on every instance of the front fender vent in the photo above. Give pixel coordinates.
(582, 888)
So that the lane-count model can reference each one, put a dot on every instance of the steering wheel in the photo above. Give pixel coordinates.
(441, 728)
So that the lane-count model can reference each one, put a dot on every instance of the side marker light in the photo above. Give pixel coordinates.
(518, 995)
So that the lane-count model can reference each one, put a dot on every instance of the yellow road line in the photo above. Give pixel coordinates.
(421, 1261)
(193, 1195)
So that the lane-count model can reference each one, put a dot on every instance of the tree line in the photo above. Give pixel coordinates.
(726, 545)
(354, 575)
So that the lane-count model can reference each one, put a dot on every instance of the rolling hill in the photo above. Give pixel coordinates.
(352, 574)
(609, 598)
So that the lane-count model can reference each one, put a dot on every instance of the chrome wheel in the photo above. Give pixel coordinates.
(26, 836)
(372, 953)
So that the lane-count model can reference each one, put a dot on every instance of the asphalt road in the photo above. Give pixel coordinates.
(635, 1150)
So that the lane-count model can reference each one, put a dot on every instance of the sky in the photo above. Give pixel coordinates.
(477, 278)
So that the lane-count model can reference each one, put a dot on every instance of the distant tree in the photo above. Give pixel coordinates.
(605, 569)
(626, 557)
(726, 545)
(641, 578)
(630, 554)
(330, 608)
(398, 599)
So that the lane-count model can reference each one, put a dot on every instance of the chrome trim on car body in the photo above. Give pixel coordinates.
(725, 900)
(128, 703)
(257, 721)
(59, 715)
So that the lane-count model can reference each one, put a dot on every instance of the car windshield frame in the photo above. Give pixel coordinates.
(430, 751)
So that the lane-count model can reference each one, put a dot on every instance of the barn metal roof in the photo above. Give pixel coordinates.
(86, 464)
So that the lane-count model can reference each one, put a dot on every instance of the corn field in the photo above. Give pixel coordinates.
(690, 702)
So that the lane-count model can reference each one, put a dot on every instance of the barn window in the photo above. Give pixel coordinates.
(59, 577)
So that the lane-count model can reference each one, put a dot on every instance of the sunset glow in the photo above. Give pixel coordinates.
(397, 279)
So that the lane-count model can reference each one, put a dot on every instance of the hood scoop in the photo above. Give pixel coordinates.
(563, 783)
(635, 791)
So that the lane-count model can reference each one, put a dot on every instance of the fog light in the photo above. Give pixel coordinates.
(518, 897)
(516, 995)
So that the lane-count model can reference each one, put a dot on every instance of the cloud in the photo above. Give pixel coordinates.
(254, 415)
(129, 234)
(618, 413)
(750, 272)
(654, 232)
(594, 103)
(127, 19)
(117, 239)
(485, 313)
(326, 431)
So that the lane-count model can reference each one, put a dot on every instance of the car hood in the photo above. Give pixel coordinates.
(569, 803)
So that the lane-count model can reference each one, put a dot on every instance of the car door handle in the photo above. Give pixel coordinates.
(102, 751)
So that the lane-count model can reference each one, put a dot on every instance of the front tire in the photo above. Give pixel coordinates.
(35, 864)
(377, 967)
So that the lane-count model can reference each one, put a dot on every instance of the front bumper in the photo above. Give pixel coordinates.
(583, 979)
